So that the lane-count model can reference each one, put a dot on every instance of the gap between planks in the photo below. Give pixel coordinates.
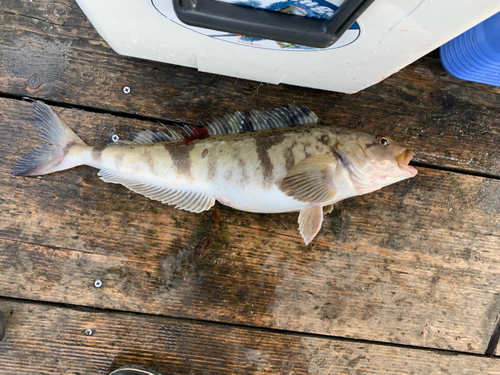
(118, 312)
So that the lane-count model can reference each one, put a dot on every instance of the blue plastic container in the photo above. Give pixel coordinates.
(475, 55)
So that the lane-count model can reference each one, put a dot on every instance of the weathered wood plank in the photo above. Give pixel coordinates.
(50, 50)
(45, 339)
(416, 263)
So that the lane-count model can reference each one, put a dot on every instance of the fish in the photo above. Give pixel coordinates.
(275, 161)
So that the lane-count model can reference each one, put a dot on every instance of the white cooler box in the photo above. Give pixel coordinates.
(286, 41)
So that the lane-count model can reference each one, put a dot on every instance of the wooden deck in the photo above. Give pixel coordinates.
(405, 280)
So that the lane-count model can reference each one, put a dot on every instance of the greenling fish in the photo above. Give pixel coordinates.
(280, 160)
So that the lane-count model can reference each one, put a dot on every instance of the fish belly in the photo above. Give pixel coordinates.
(273, 200)
(269, 201)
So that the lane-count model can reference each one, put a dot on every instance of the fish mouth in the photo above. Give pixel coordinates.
(403, 161)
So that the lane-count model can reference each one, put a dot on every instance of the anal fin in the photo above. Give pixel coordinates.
(182, 199)
(310, 221)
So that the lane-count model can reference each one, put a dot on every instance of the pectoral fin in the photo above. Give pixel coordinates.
(311, 180)
(310, 221)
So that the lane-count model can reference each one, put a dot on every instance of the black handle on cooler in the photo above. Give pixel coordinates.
(243, 20)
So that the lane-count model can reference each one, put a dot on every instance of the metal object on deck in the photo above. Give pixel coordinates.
(89, 332)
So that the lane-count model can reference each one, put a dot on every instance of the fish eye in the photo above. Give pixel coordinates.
(383, 140)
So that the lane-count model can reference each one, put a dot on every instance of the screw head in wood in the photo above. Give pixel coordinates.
(89, 332)
(98, 283)
(126, 90)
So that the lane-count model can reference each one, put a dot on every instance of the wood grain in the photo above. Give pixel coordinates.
(46, 339)
(416, 263)
(413, 264)
(50, 51)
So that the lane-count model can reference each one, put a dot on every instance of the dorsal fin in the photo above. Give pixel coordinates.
(240, 121)
(149, 136)
(237, 122)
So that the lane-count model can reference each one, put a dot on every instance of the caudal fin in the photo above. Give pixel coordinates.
(47, 158)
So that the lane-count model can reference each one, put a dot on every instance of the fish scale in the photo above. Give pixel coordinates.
(281, 160)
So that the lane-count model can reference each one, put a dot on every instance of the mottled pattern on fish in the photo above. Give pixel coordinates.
(280, 168)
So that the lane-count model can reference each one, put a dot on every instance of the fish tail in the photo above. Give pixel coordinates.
(47, 158)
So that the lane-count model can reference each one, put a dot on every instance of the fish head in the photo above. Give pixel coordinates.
(374, 161)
